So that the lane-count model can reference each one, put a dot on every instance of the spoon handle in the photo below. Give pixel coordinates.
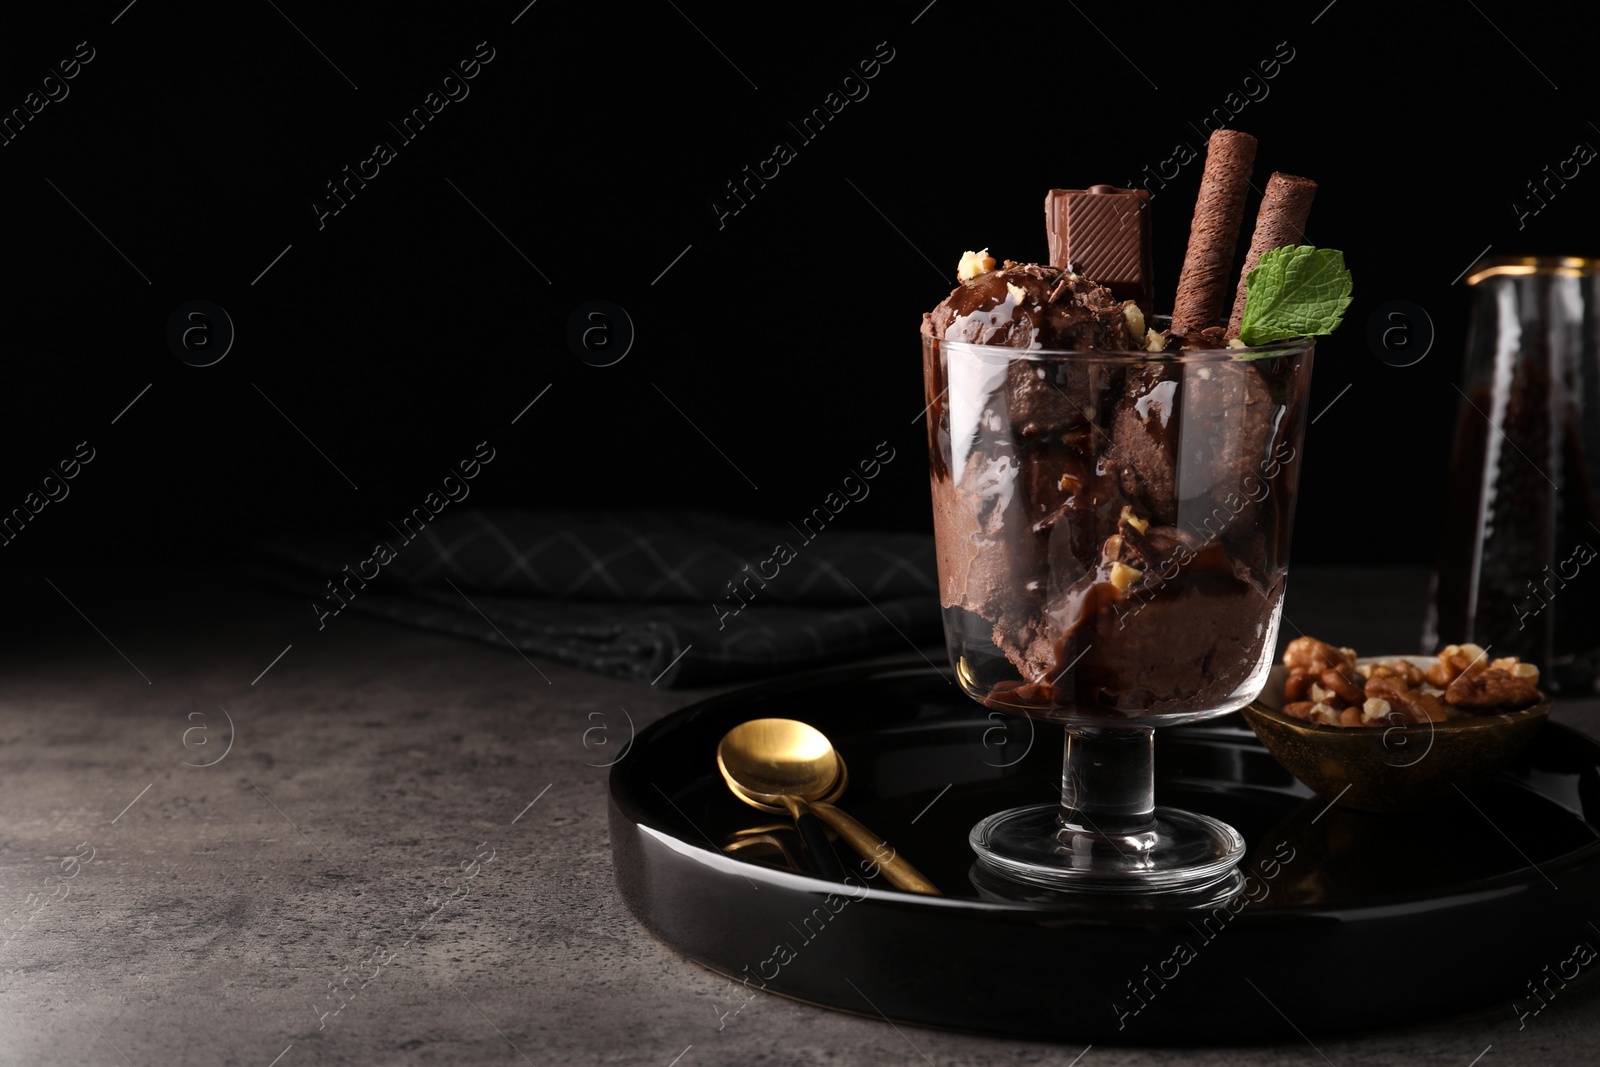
(818, 848)
(899, 873)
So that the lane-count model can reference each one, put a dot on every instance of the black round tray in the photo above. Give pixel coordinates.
(1349, 921)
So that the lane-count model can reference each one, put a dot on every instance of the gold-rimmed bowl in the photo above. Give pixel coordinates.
(1391, 768)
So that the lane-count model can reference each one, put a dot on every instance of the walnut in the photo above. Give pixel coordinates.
(1403, 669)
(1346, 683)
(1517, 668)
(1134, 318)
(1123, 576)
(1309, 654)
(1492, 687)
(1384, 687)
(1314, 712)
(1411, 705)
(1297, 686)
(973, 264)
(1454, 661)
(1325, 714)
(1299, 709)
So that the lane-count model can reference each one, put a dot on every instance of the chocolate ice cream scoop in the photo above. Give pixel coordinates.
(1029, 305)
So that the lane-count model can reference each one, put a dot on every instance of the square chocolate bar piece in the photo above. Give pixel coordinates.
(1103, 233)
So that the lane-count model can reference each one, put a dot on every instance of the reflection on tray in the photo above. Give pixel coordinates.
(1351, 856)
(772, 845)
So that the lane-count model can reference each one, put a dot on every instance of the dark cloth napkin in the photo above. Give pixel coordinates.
(644, 595)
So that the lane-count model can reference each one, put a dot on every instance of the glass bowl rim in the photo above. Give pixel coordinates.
(1544, 266)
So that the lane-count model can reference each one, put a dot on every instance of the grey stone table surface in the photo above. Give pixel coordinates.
(418, 820)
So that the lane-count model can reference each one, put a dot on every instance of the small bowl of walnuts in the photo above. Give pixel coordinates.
(1396, 733)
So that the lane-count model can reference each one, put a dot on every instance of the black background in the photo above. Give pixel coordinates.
(408, 328)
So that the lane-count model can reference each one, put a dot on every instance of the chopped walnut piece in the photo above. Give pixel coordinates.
(1411, 705)
(1456, 660)
(1134, 318)
(1517, 668)
(973, 264)
(1346, 683)
(1324, 714)
(1123, 576)
(1403, 669)
(1309, 654)
(1493, 687)
(1299, 709)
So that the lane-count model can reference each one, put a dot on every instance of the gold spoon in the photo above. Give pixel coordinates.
(781, 764)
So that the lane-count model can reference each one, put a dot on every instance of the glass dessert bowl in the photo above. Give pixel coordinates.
(1113, 534)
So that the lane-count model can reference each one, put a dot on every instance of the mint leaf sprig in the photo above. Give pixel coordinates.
(1295, 291)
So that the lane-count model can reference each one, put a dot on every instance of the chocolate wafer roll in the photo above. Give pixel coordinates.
(1206, 278)
(1280, 221)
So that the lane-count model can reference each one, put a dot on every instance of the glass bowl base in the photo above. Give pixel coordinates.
(1182, 852)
